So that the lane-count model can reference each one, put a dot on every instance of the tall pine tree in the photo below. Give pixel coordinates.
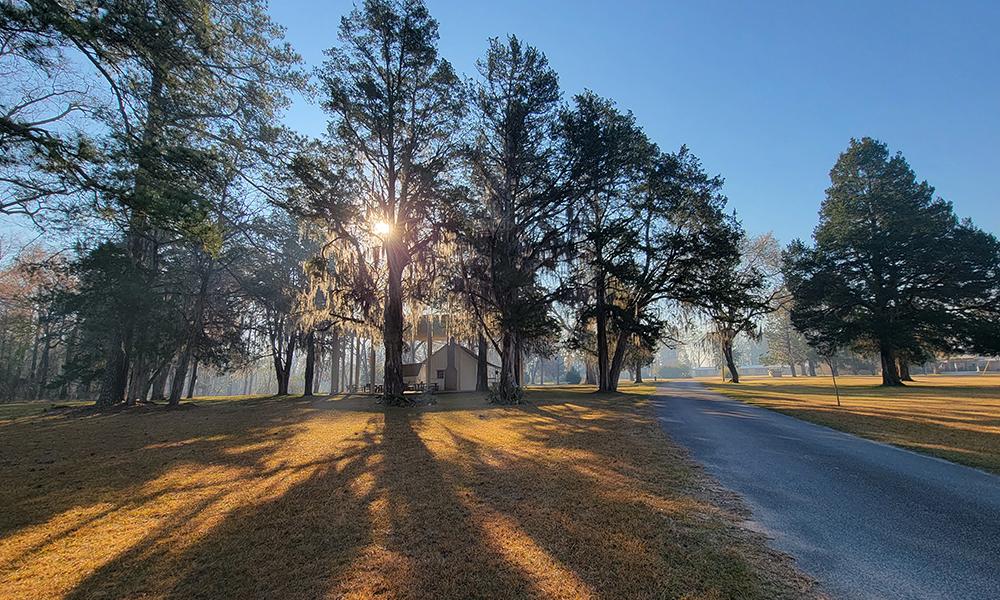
(514, 222)
(397, 107)
(892, 270)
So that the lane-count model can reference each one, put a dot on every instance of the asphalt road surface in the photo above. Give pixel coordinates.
(865, 519)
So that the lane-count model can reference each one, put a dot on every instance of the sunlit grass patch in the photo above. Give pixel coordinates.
(953, 417)
(573, 495)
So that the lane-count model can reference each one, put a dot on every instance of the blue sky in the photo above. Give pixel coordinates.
(767, 94)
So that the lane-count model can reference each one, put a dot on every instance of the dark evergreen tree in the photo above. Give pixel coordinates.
(513, 224)
(272, 273)
(189, 80)
(607, 153)
(892, 270)
(396, 107)
(650, 231)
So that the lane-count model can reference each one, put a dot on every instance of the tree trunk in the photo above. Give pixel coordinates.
(68, 389)
(358, 353)
(146, 384)
(482, 366)
(904, 369)
(307, 387)
(138, 385)
(638, 372)
(429, 350)
(278, 374)
(811, 366)
(604, 382)
(833, 375)
(392, 333)
(507, 387)
(617, 361)
(349, 363)
(342, 367)
(42, 376)
(283, 366)
(371, 366)
(37, 392)
(115, 378)
(283, 382)
(788, 350)
(335, 362)
(727, 350)
(159, 385)
(890, 376)
(518, 362)
(194, 379)
(177, 386)
(289, 355)
(180, 374)
(590, 376)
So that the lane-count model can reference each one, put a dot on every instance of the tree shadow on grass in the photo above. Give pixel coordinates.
(376, 519)
(618, 513)
(432, 548)
(72, 472)
(948, 438)
(284, 539)
(409, 507)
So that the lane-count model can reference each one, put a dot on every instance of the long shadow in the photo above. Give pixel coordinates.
(290, 545)
(622, 517)
(379, 518)
(964, 446)
(915, 391)
(385, 516)
(57, 464)
(433, 548)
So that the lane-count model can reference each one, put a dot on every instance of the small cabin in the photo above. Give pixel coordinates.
(453, 368)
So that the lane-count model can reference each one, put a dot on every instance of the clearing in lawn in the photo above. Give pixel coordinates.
(575, 495)
(953, 417)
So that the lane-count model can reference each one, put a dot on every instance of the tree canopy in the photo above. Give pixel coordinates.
(892, 270)
(184, 225)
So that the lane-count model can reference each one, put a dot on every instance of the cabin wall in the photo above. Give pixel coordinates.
(464, 363)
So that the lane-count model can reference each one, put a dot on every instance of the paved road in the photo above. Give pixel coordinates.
(865, 519)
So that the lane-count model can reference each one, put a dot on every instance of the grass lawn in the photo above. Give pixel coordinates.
(956, 418)
(28, 408)
(575, 495)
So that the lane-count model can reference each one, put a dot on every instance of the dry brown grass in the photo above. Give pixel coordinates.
(573, 496)
(29, 408)
(956, 418)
